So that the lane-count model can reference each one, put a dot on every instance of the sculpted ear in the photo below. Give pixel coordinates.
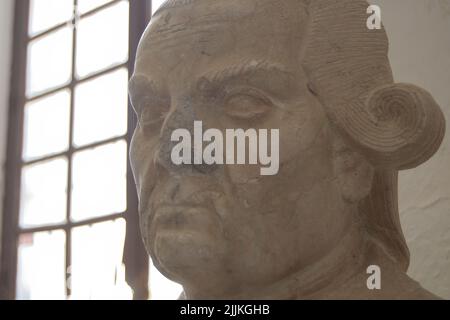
(353, 172)
(398, 127)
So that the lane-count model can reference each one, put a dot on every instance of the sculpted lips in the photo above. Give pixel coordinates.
(195, 215)
(172, 218)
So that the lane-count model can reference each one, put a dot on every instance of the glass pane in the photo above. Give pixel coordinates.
(97, 271)
(41, 266)
(101, 108)
(156, 4)
(45, 14)
(46, 126)
(88, 5)
(99, 181)
(43, 195)
(102, 39)
(49, 61)
(162, 288)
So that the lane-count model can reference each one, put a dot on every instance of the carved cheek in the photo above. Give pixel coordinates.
(136, 156)
(298, 133)
(142, 153)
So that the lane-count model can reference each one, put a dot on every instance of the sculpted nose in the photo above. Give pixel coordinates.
(183, 117)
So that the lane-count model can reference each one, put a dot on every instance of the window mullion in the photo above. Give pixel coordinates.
(68, 261)
(8, 261)
(135, 256)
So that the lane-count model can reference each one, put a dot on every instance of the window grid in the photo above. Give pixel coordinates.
(136, 261)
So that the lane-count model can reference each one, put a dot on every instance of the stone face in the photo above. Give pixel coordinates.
(314, 71)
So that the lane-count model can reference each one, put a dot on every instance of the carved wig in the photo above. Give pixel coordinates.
(395, 126)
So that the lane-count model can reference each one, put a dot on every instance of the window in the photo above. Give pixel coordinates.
(71, 205)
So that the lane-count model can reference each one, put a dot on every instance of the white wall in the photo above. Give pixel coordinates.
(419, 34)
(6, 27)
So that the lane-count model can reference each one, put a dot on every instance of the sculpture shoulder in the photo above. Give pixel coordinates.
(412, 290)
(423, 294)
(395, 285)
(398, 285)
(393, 282)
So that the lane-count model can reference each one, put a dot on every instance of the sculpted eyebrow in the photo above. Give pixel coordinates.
(245, 69)
(272, 78)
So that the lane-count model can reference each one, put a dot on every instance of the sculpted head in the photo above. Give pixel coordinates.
(345, 131)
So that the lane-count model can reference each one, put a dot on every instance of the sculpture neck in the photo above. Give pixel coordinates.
(344, 261)
(340, 265)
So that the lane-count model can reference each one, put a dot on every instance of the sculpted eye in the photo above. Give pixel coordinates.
(247, 106)
(151, 114)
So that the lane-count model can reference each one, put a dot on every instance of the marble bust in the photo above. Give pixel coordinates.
(313, 70)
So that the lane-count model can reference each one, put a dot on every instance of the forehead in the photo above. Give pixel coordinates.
(198, 34)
